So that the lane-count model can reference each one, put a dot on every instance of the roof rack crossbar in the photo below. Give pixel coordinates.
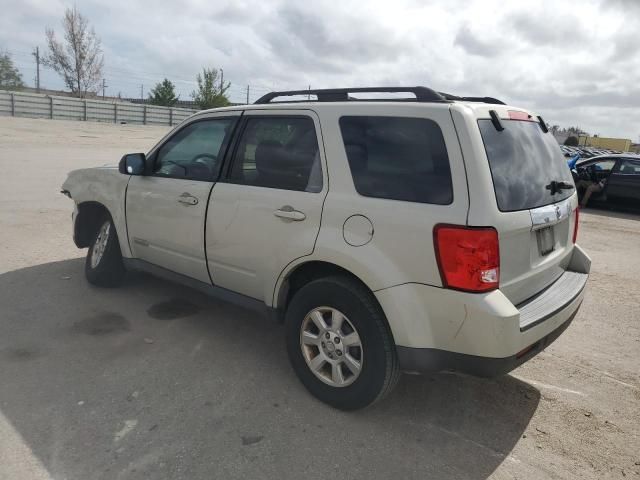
(423, 94)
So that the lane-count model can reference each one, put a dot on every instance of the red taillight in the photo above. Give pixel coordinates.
(575, 224)
(468, 257)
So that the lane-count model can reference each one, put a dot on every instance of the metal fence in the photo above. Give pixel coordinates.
(34, 105)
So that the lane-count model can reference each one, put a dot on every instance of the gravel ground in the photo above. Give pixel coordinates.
(156, 381)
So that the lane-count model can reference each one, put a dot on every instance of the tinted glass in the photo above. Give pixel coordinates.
(398, 158)
(278, 152)
(194, 152)
(630, 167)
(523, 161)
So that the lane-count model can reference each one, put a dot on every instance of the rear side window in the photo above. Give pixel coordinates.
(278, 152)
(398, 158)
(524, 161)
(630, 167)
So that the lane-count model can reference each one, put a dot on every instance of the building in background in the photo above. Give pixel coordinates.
(620, 144)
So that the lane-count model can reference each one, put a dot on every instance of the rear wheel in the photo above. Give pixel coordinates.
(103, 266)
(339, 343)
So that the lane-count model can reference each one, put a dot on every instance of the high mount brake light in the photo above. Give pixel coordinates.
(518, 115)
(468, 257)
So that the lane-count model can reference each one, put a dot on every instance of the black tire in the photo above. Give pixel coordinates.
(380, 370)
(109, 270)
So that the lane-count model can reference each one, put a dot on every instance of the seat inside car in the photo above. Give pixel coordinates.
(278, 167)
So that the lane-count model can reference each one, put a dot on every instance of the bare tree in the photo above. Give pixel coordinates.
(79, 58)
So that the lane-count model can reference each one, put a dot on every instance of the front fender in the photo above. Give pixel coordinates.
(106, 186)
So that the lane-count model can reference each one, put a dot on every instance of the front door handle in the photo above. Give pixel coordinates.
(188, 199)
(289, 213)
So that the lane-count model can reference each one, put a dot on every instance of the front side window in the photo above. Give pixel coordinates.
(278, 152)
(398, 158)
(605, 166)
(195, 151)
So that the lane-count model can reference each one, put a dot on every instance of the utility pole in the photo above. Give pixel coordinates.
(142, 92)
(221, 80)
(309, 94)
(247, 94)
(36, 54)
(104, 87)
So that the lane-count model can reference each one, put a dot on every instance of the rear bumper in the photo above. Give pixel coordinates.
(434, 360)
(485, 334)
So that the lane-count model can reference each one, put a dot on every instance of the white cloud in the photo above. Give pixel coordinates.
(574, 65)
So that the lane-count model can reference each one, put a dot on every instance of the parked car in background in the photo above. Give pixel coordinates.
(585, 152)
(403, 234)
(619, 175)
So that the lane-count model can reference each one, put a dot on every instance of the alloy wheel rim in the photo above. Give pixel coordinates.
(100, 244)
(331, 346)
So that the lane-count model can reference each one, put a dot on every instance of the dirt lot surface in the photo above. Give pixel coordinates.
(155, 381)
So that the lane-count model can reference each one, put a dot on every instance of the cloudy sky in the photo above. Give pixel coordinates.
(576, 63)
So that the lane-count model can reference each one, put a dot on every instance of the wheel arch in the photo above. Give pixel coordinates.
(86, 222)
(302, 273)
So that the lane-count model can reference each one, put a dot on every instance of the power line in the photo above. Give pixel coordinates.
(125, 79)
(119, 74)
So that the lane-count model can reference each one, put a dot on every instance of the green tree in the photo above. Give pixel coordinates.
(577, 131)
(571, 141)
(164, 93)
(211, 92)
(10, 77)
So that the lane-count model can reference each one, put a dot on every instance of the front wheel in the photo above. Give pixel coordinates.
(103, 266)
(339, 343)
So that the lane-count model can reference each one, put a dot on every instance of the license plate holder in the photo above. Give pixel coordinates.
(546, 240)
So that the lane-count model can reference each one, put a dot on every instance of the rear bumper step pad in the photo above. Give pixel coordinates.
(552, 299)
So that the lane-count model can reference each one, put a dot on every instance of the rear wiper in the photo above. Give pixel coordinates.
(495, 119)
(556, 187)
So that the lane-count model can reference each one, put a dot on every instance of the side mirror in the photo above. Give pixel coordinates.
(132, 164)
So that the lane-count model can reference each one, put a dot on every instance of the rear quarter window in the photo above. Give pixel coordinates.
(398, 158)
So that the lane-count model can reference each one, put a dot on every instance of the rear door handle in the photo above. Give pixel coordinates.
(188, 199)
(289, 213)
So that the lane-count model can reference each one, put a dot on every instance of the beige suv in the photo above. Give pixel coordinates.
(392, 229)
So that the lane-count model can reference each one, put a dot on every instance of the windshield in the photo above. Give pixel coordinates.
(524, 161)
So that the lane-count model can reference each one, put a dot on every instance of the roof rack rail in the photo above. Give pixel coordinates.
(491, 100)
(423, 94)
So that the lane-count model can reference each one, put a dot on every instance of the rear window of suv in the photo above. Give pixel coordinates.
(524, 161)
(398, 158)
